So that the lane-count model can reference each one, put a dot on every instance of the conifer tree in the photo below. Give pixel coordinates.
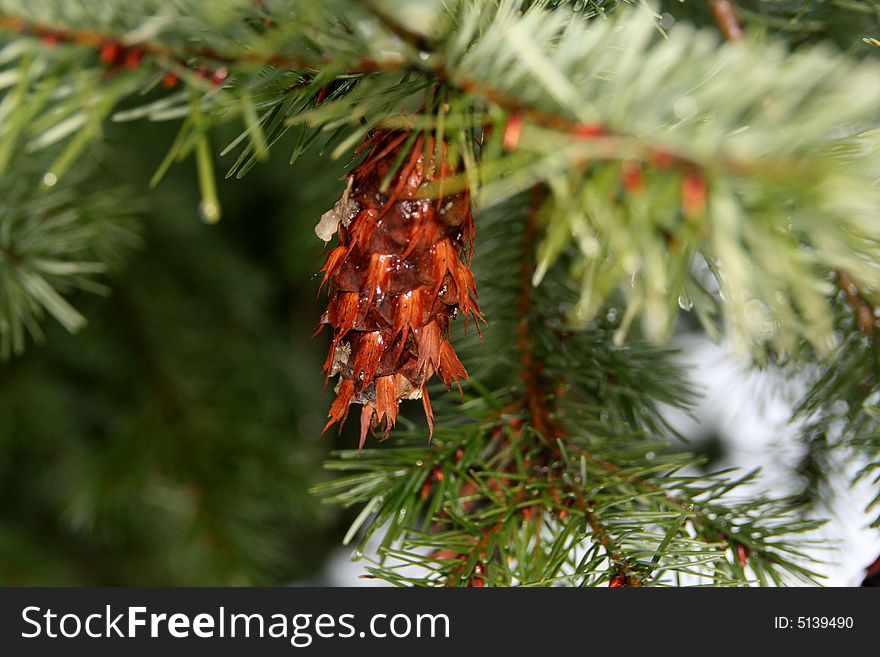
(529, 197)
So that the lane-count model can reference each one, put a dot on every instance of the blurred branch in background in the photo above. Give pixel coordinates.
(173, 440)
(51, 242)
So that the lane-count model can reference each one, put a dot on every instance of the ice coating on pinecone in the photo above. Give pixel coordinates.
(399, 272)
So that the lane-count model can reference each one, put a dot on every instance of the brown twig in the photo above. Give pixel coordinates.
(609, 142)
(865, 311)
(536, 399)
(600, 531)
(96, 39)
(531, 369)
(539, 408)
(724, 12)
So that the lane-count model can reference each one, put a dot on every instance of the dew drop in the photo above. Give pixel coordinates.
(209, 212)
(49, 179)
(589, 246)
(685, 302)
(685, 108)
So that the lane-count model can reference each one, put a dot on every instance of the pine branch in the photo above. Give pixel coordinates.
(691, 219)
(503, 503)
(725, 168)
(51, 243)
(859, 436)
(847, 23)
(840, 421)
(537, 399)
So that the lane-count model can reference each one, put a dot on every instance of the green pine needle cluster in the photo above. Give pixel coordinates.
(51, 243)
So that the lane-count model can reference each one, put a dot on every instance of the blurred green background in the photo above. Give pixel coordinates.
(174, 440)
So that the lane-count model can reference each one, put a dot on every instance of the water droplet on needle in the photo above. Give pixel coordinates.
(209, 212)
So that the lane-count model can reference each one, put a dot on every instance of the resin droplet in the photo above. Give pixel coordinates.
(341, 213)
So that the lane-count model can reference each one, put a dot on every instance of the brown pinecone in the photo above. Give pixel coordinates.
(400, 271)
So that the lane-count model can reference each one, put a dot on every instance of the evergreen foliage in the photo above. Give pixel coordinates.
(627, 162)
